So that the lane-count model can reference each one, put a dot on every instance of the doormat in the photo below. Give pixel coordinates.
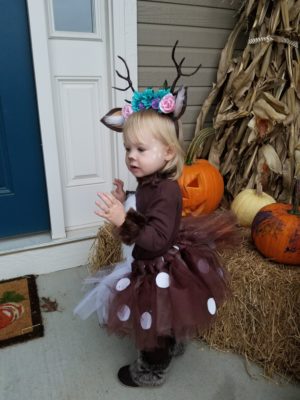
(20, 314)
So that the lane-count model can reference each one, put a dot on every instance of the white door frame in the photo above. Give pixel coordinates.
(123, 41)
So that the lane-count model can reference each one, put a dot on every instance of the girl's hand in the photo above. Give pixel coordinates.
(110, 209)
(118, 192)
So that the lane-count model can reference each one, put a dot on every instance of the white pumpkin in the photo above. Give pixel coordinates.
(247, 204)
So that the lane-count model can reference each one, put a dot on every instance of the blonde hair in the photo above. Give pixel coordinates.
(163, 129)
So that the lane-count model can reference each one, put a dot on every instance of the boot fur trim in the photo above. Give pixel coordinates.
(144, 374)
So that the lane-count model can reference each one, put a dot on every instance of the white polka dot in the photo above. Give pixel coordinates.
(211, 306)
(176, 247)
(203, 266)
(122, 284)
(124, 313)
(146, 320)
(220, 272)
(163, 280)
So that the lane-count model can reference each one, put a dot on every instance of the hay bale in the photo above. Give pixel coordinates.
(106, 249)
(261, 320)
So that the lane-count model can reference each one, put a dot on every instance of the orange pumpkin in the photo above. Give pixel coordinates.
(276, 232)
(202, 188)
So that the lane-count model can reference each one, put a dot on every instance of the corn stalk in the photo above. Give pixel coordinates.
(257, 120)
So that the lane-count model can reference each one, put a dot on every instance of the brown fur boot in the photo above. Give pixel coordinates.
(150, 369)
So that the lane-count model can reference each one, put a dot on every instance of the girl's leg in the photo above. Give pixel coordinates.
(177, 348)
(150, 368)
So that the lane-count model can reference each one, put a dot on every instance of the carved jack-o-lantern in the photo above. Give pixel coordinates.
(202, 188)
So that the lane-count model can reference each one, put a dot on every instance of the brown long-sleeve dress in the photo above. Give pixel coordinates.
(177, 280)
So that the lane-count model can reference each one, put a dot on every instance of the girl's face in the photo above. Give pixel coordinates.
(146, 155)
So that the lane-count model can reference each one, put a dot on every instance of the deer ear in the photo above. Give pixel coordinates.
(180, 102)
(114, 120)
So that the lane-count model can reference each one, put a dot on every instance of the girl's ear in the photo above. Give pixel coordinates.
(170, 153)
(114, 120)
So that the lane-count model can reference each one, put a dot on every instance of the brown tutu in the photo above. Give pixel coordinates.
(179, 293)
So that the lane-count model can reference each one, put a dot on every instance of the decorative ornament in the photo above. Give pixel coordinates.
(166, 100)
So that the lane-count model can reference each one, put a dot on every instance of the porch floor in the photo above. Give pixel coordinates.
(77, 360)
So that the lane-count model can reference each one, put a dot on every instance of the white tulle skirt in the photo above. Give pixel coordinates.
(99, 297)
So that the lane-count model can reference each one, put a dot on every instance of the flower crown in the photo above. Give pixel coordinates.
(165, 101)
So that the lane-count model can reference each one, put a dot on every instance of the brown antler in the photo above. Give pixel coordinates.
(126, 78)
(178, 68)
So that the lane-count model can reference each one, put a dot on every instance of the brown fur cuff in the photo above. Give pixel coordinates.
(130, 229)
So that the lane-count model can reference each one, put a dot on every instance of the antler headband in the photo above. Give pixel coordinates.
(165, 100)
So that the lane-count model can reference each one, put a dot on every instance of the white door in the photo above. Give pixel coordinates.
(79, 54)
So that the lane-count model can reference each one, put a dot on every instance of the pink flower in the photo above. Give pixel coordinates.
(127, 110)
(167, 104)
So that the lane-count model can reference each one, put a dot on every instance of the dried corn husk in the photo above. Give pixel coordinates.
(257, 120)
(272, 159)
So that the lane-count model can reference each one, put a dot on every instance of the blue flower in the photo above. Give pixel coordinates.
(148, 99)
(162, 92)
(136, 100)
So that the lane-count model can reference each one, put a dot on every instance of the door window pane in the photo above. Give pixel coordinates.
(73, 15)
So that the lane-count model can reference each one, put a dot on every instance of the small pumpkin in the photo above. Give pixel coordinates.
(248, 202)
(201, 184)
(276, 231)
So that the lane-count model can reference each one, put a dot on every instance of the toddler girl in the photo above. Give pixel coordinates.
(175, 283)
